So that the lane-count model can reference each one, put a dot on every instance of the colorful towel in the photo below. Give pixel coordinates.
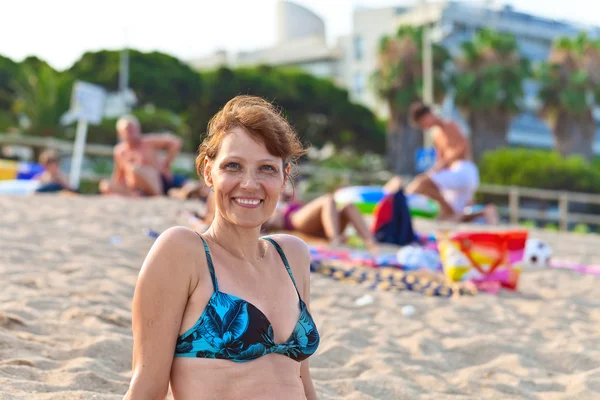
(388, 279)
(356, 257)
(584, 269)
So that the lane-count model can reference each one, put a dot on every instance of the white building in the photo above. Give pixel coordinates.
(452, 23)
(301, 42)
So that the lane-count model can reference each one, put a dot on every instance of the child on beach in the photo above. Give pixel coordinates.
(52, 179)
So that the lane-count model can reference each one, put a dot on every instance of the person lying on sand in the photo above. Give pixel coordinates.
(138, 167)
(191, 190)
(321, 218)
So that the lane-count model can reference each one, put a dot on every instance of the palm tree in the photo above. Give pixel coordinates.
(398, 80)
(37, 94)
(570, 88)
(488, 83)
(8, 71)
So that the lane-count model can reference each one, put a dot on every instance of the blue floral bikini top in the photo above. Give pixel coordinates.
(233, 329)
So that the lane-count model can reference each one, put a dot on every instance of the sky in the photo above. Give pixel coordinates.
(60, 31)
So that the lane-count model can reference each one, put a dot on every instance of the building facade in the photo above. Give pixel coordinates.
(352, 60)
(301, 43)
(452, 23)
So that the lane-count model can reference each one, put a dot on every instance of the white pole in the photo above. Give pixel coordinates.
(124, 71)
(78, 151)
(124, 65)
(427, 60)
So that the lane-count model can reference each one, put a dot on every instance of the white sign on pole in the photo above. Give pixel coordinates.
(119, 103)
(87, 102)
(87, 106)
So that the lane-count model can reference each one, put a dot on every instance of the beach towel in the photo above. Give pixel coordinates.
(388, 279)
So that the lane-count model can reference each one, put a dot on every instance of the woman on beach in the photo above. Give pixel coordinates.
(321, 217)
(225, 315)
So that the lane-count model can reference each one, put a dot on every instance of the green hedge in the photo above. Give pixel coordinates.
(539, 169)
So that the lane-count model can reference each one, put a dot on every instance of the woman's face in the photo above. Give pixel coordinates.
(246, 178)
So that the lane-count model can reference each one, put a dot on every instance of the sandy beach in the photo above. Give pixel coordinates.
(68, 266)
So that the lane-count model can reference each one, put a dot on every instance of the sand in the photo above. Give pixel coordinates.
(68, 267)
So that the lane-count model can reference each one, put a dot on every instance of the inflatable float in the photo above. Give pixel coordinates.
(365, 198)
(16, 177)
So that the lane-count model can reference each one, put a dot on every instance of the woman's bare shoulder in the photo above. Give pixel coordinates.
(297, 253)
(293, 246)
(178, 238)
(176, 248)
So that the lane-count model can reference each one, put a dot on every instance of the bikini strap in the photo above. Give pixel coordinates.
(211, 268)
(285, 261)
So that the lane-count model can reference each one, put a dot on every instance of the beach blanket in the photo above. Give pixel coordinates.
(409, 258)
(584, 269)
(388, 279)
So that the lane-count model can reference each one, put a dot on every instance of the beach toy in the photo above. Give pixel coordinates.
(483, 257)
(422, 206)
(18, 170)
(537, 253)
(365, 198)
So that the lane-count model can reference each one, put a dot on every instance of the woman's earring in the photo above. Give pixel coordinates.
(212, 189)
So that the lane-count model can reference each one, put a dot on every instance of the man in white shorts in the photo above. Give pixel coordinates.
(454, 178)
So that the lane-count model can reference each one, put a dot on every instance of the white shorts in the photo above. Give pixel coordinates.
(458, 183)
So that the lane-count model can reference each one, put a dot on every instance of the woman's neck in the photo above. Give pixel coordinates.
(242, 243)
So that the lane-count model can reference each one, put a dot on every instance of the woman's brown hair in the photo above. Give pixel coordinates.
(260, 119)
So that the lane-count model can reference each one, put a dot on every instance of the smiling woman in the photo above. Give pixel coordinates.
(252, 339)
(248, 151)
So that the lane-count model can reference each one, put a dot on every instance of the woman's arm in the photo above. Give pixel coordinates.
(164, 284)
(309, 387)
(298, 255)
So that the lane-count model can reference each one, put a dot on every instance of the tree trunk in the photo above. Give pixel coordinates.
(402, 144)
(574, 135)
(489, 131)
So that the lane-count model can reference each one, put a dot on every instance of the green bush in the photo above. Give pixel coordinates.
(539, 169)
(582, 228)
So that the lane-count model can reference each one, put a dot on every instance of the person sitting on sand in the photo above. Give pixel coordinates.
(454, 178)
(470, 212)
(138, 168)
(255, 332)
(52, 178)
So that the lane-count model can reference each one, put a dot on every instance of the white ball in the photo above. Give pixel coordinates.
(537, 253)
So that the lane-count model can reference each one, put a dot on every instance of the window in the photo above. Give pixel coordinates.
(359, 83)
(358, 47)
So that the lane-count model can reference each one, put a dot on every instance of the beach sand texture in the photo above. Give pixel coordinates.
(68, 266)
